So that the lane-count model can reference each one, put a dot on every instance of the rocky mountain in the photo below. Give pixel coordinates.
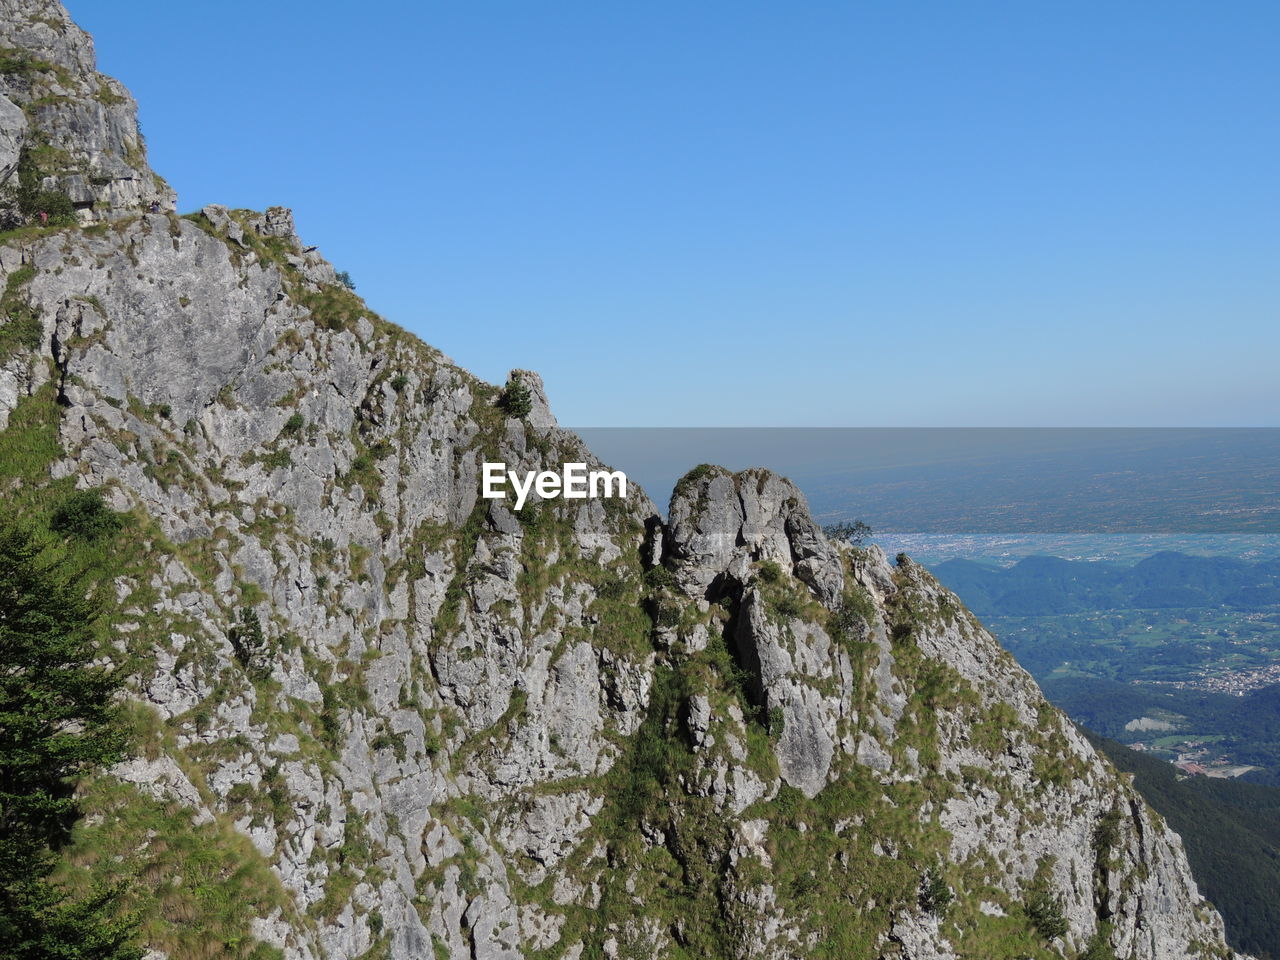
(73, 131)
(379, 716)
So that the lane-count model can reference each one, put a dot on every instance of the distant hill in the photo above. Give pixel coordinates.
(1047, 586)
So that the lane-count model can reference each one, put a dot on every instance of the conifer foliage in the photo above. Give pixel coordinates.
(58, 721)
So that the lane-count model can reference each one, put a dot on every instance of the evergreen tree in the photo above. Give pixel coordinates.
(58, 721)
(516, 400)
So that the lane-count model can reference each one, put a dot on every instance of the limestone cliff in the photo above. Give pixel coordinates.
(73, 130)
(381, 717)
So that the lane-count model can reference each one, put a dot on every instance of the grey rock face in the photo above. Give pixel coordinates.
(720, 522)
(789, 659)
(45, 30)
(186, 345)
(726, 530)
(13, 133)
(84, 123)
(723, 528)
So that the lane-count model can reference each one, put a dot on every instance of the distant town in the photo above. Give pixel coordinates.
(1235, 683)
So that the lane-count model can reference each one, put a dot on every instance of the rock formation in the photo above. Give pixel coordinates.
(74, 129)
(574, 731)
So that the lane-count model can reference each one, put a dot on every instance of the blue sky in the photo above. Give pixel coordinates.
(765, 214)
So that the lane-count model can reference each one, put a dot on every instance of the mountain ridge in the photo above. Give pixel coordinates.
(457, 730)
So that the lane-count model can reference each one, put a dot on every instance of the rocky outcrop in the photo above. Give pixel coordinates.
(425, 724)
(76, 128)
(724, 530)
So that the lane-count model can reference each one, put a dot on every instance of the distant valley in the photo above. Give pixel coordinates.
(1176, 655)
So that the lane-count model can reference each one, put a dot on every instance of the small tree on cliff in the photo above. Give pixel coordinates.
(857, 533)
(516, 399)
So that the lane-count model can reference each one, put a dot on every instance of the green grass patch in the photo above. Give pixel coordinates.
(196, 889)
(22, 329)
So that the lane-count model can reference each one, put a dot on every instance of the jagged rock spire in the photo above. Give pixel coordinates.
(722, 522)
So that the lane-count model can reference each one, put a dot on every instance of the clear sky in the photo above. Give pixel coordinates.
(740, 213)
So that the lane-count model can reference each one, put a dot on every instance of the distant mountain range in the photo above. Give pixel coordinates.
(1041, 586)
